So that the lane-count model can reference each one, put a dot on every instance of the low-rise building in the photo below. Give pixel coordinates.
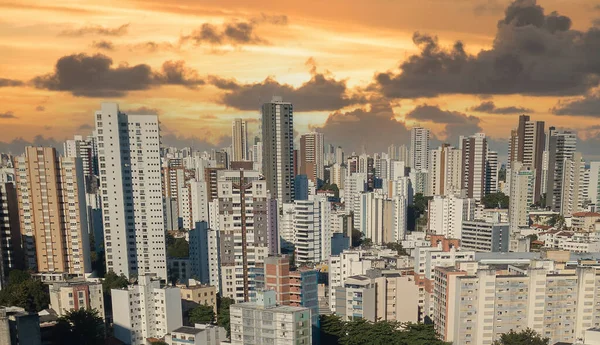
(198, 335)
(69, 296)
(485, 236)
(263, 322)
(18, 327)
(199, 294)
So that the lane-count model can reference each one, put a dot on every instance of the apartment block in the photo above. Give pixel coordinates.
(485, 236)
(11, 250)
(199, 294)
(263, 322)
(145, 310)
(52, 211)
(70, 296)
(198, 335)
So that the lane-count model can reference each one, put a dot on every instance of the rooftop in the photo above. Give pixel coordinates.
(187, 330)
(586, 214)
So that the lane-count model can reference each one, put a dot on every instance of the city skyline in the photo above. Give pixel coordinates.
(212, 63)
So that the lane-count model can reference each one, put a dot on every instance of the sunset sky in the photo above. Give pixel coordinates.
(361, 71)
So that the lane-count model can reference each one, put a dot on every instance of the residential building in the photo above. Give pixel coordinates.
(278, 149)
(562, 146)
(419, 148)
(11, 250)
(594, 183)
(18, 327)
(145, 310)
(445, 168)
(180, 269)
(248, 230)
(447, 213)
(527, 147)
(239, 140)
(205, 255)
(312, 163)
(199, 294)
(491, 173)
(522, 181)
(312, 233)
(69, 296)
(485, 236)
(263, 322)
(131, 188)
(376, 218)
(574, 186)
(585, 221)
(53, 212)
(474, 159)
(198, 335)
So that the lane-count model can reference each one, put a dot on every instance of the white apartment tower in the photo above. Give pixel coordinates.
(130, 184)
(574, 185)
(312, 231)
(562, 146)
(311, 160)
(239, 140)
(474, 160)
(447, 213)
(419, 148)
(278, 148)
(522, 179)
(145, 310)
(445, 169)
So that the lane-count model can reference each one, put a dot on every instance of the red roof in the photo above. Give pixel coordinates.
(586, 214)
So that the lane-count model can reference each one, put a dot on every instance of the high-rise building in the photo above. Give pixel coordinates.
(11, 251)
(85, 149)
(248, 229)
(376, 217)
(447, 213)
(312, 163)
(491, 173)
(419, 148)
(574, 186)
(562, 146)
(594, 183)
(289, 325)
(339, 155)
(522, 180)
(445, 169)
(474, 158)
(527, 146)
(204, 254)
(312, 231)
(485, 236)
(131, 188)
(52, 211)
(278, 148)
(145, 310)
(239, 140)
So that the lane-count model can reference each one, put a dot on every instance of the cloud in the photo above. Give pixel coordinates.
(195, 142)
(96, 30)
(94, 76)
(281, 19)
(40, 108)
(151, 46)
(10, 82)
(7, 115)
(488, 7)
(457, 123)
(85, 126)
(533, 53)
(321, 92)
(373, 126)
(589, 105)
(106, 45)
(142, 111)
(17, 145)
(490, 108)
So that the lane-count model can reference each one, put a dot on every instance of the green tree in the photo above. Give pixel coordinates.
(25, 292)
(397, 246)
(557, 221)
(332, 187)
(202, 314)
(525, 337)
(80, 327)
(356, 238)
(331, 329)
(367, 243)
(502, 173)
(179, 249)
(495, 200)
(223, 314)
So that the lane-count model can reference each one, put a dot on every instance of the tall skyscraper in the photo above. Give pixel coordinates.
(239, 140)
(52, 211)
(312, 230)
(491, 172)
(445, 169)
(278, 148)
(522, 180)
(594, 183)
(527, 146)
(248, 230)
(11, 251)
(419, 148)
(131, 186)
(474, 158)
(312, 163)
(562, 146)
(574, 188)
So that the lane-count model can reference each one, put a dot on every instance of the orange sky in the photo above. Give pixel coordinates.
(347, 41)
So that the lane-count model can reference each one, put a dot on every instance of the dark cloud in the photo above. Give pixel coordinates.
(457, 123)
(40, 108)
(321, 92)
(94, 76)
(106, 45)
(533, 53)
(589, 105)
(10, 82)
(17, 145)
(490, 108)
(96, 30)
(7, 115)
(195, 142)
(271, 19)
(374, 126)
(85, 126)
(151, 46)
(142, 111)
(234, 33)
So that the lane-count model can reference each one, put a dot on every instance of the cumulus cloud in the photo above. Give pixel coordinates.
(534, 53)
(17, 145)
(40, 108)
(236, 32)
(95, 76)
(7, 115)
(321, 92)
(86, 126)
(490, 108)
(589, 105)
(488, 7)
(96, 30)
(4, 82)
(105, 45)
(373, 126)
(456, 123)
(195, 142)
